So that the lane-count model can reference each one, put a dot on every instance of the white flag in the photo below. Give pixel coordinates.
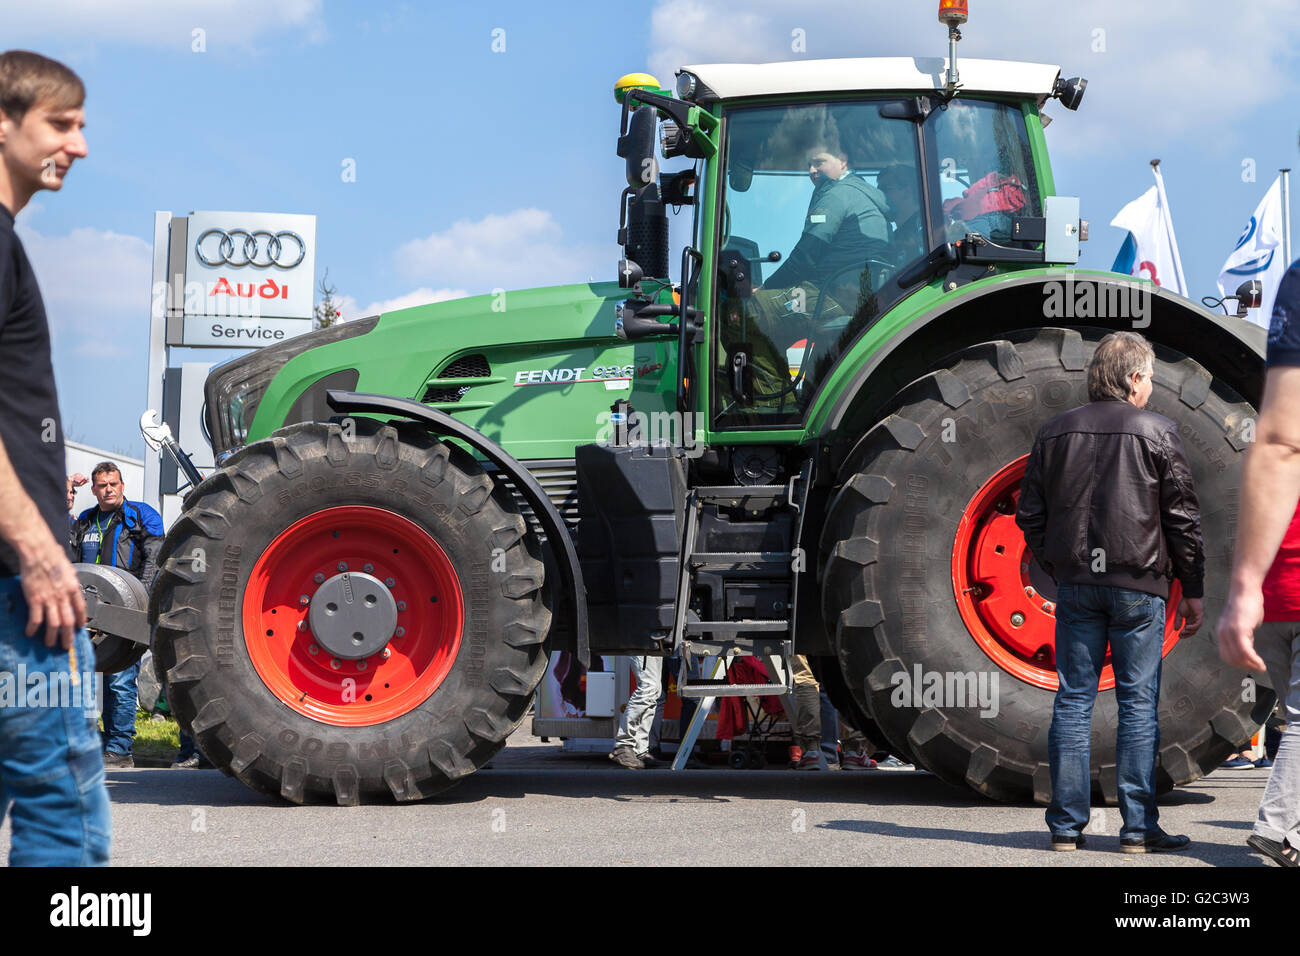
(1258, 255)
(1156, 254)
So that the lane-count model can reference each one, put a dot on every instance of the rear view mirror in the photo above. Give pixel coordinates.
(739, 175)
(637, 146)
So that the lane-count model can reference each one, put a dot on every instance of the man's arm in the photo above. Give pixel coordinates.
(1031, 512)
(49, 584)
(1180, 518)
(1180, 522)
(1269, 492)
(151, 545)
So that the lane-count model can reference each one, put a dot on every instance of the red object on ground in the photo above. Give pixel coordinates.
(733, 719)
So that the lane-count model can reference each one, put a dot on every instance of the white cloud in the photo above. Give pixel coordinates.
(421, 296)
(514, 250)
(95, 284)
(1159, 77)
(165, 23)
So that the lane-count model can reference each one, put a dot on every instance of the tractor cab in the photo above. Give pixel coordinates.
(826, 192)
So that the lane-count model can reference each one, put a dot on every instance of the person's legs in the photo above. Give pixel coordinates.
(1080, 650)
(806, 720)
(1278, 643)
(120, 703)
(634, 728)
(830, 725)
(50, 766)
(1136, 632)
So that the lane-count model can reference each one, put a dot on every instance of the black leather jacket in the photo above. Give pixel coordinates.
(1107, 498)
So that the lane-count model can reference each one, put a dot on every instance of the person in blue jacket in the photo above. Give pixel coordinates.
(124, 534)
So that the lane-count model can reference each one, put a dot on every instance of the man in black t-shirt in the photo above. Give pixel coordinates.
(50, 765)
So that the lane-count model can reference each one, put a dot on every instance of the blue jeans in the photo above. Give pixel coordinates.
(50, 765)
(1088, 617)
(121, 699)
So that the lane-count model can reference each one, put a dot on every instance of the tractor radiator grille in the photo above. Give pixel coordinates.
(558, 477)
(467, 366)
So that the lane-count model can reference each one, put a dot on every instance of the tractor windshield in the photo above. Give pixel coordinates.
(824, 203)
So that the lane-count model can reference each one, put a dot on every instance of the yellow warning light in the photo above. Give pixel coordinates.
(634, 81)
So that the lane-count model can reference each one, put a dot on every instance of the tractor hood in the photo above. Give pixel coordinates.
(551, 352)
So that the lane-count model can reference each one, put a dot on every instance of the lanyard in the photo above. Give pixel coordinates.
(99, 552)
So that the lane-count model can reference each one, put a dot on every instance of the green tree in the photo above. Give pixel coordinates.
(326, 311)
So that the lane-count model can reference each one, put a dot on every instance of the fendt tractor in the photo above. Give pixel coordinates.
(808, 441)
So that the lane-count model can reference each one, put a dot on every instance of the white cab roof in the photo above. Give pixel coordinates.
(921, 74)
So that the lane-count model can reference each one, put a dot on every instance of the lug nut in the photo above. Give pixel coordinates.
(1047, 607)
(389, 581)
(387, 653)
(343, 566)
(369, 569)
(401, 605)
(335, 663)
(1029, 591)
(400, 632)
(304, 600)
(320, 579)
(313, 649)
(302, 625)
(1017, 619)
(361, 665)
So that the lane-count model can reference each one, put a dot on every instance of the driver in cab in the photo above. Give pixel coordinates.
(846, 222)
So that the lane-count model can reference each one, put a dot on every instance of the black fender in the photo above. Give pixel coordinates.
(1232, 349)
(440, 423)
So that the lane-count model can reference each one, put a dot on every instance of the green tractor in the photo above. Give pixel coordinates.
(810, 440)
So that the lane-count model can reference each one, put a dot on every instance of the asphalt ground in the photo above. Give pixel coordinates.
(536, 805)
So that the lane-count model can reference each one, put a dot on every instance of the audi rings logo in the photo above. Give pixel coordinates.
(259, 248)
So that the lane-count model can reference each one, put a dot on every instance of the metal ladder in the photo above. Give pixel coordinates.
(721, 641)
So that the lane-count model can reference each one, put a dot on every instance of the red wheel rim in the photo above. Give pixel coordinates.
(429, 622)
(1006, 612)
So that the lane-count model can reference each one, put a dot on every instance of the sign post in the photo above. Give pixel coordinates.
(226, 280)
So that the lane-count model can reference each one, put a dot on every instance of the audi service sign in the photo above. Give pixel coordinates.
(249, 278)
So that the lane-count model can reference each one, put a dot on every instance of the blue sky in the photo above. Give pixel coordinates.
(478, 169)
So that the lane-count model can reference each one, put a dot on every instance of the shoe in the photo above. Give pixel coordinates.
(796, 754)
(116, 761)
(893, 763)
(1237, 763)
(648, 761)
(811, 760)
(1263, 763)
(626, 757)
(189, 763)
(1063, 841)
(1158, 842)
(1283, 854)
(856, 760)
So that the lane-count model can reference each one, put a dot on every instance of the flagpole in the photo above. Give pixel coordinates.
(1286, 215)
(1169, 219)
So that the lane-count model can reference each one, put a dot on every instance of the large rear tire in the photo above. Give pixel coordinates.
(395, 528)
(925, 572)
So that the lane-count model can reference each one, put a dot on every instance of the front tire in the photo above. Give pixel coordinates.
(274, 692)
(925, 573)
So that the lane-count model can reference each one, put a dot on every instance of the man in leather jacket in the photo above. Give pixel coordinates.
(1108, 509)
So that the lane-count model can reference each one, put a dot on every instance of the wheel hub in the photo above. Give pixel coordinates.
(353, 615)
(355, 663)
(1006, 601)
